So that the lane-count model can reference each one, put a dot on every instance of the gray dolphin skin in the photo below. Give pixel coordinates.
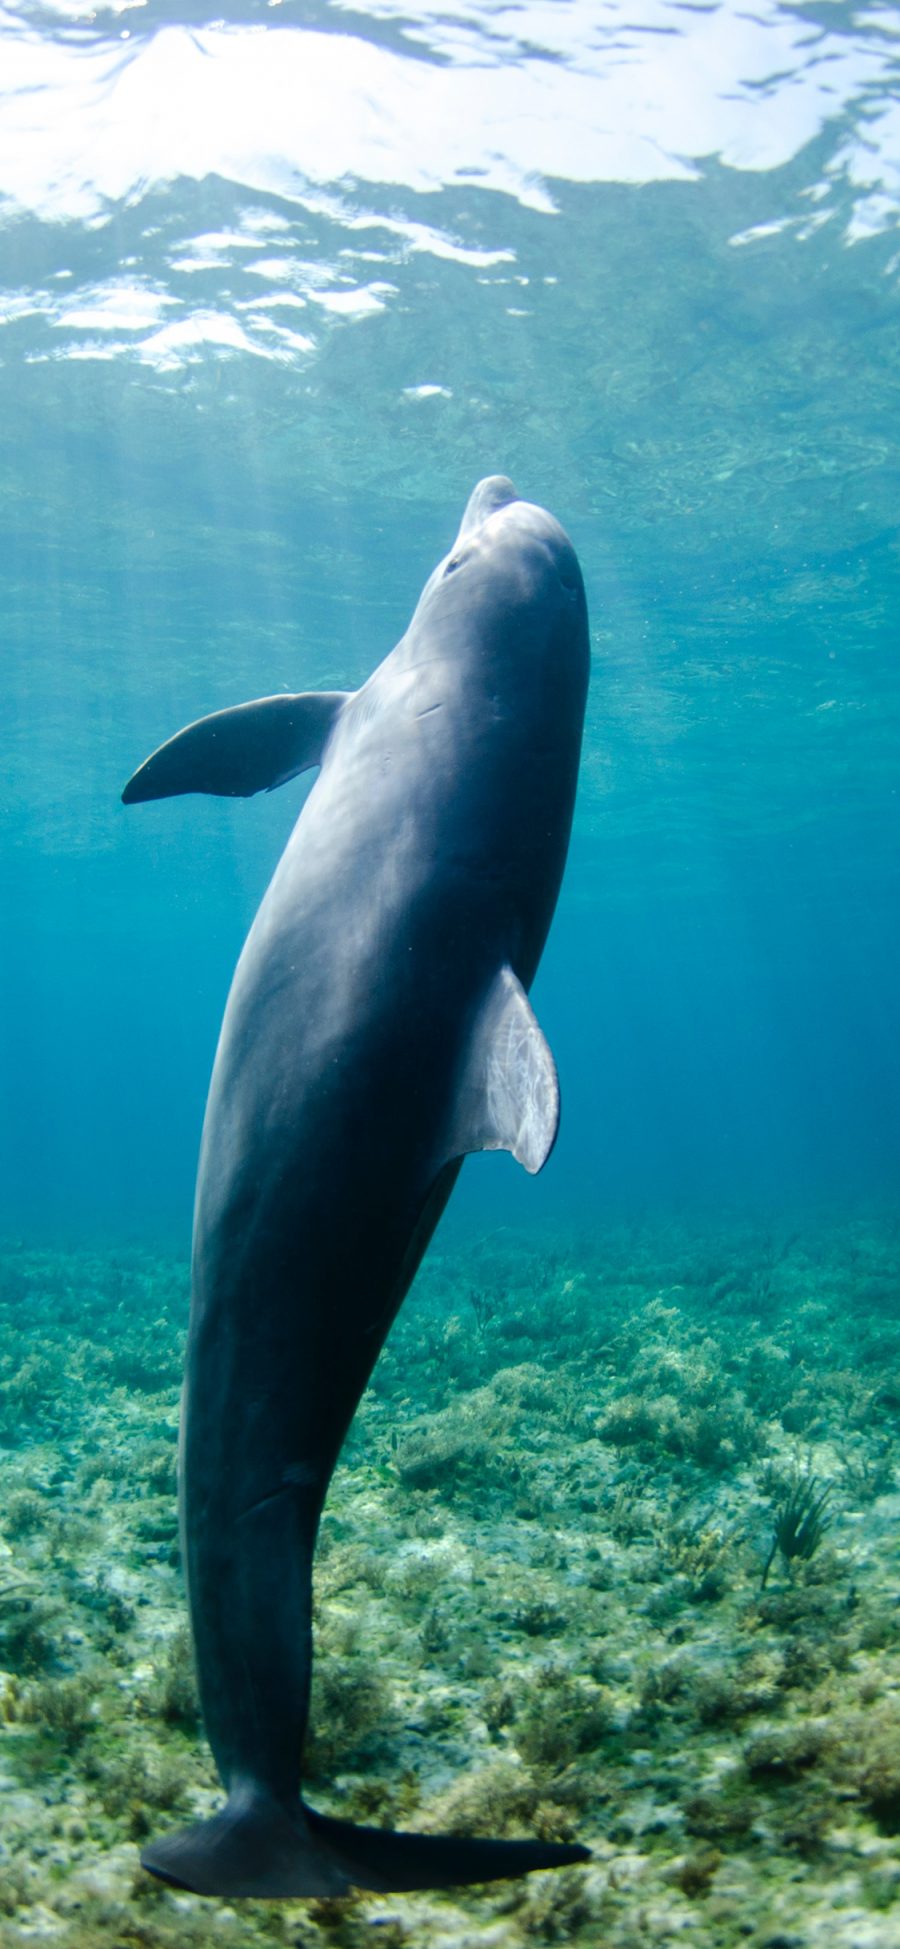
(377, 1030)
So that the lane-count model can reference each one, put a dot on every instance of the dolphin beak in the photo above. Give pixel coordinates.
(490, 494)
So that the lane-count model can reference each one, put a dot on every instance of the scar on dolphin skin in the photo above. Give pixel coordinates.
(377, 1030)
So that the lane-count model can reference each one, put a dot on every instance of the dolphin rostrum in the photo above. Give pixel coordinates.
(377, 1029)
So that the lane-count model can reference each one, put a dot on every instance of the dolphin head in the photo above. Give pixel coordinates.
(508, 600)
(500, 535)
(510, 556)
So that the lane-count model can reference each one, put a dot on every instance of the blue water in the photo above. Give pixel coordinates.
(278, 284)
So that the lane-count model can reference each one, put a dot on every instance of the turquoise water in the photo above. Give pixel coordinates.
(278, 284)
(276, 287)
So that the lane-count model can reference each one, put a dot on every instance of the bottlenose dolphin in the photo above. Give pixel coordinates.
(377, 1029)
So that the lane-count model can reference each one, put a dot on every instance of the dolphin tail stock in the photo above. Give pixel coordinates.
(259, 1847)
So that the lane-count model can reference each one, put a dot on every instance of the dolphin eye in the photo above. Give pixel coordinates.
(453, 563)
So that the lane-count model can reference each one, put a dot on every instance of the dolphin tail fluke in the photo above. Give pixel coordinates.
(374, 1858)
(258, 1847)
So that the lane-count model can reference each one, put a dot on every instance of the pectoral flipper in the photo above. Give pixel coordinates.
(508, 1094)
(235, 753)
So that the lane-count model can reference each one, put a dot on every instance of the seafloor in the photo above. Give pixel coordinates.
(541, 1600)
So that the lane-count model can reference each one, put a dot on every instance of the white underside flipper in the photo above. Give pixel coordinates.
(508, 1097)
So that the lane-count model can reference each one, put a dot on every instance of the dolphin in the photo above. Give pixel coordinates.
(378, 1028)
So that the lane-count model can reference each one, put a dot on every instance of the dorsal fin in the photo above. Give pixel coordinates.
(508, 1095)
(234, 753)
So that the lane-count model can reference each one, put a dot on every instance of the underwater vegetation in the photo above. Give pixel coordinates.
(612, 1550)
(801, 1519)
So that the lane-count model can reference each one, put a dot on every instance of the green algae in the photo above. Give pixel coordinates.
(801, 1517)
(538, 1604)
